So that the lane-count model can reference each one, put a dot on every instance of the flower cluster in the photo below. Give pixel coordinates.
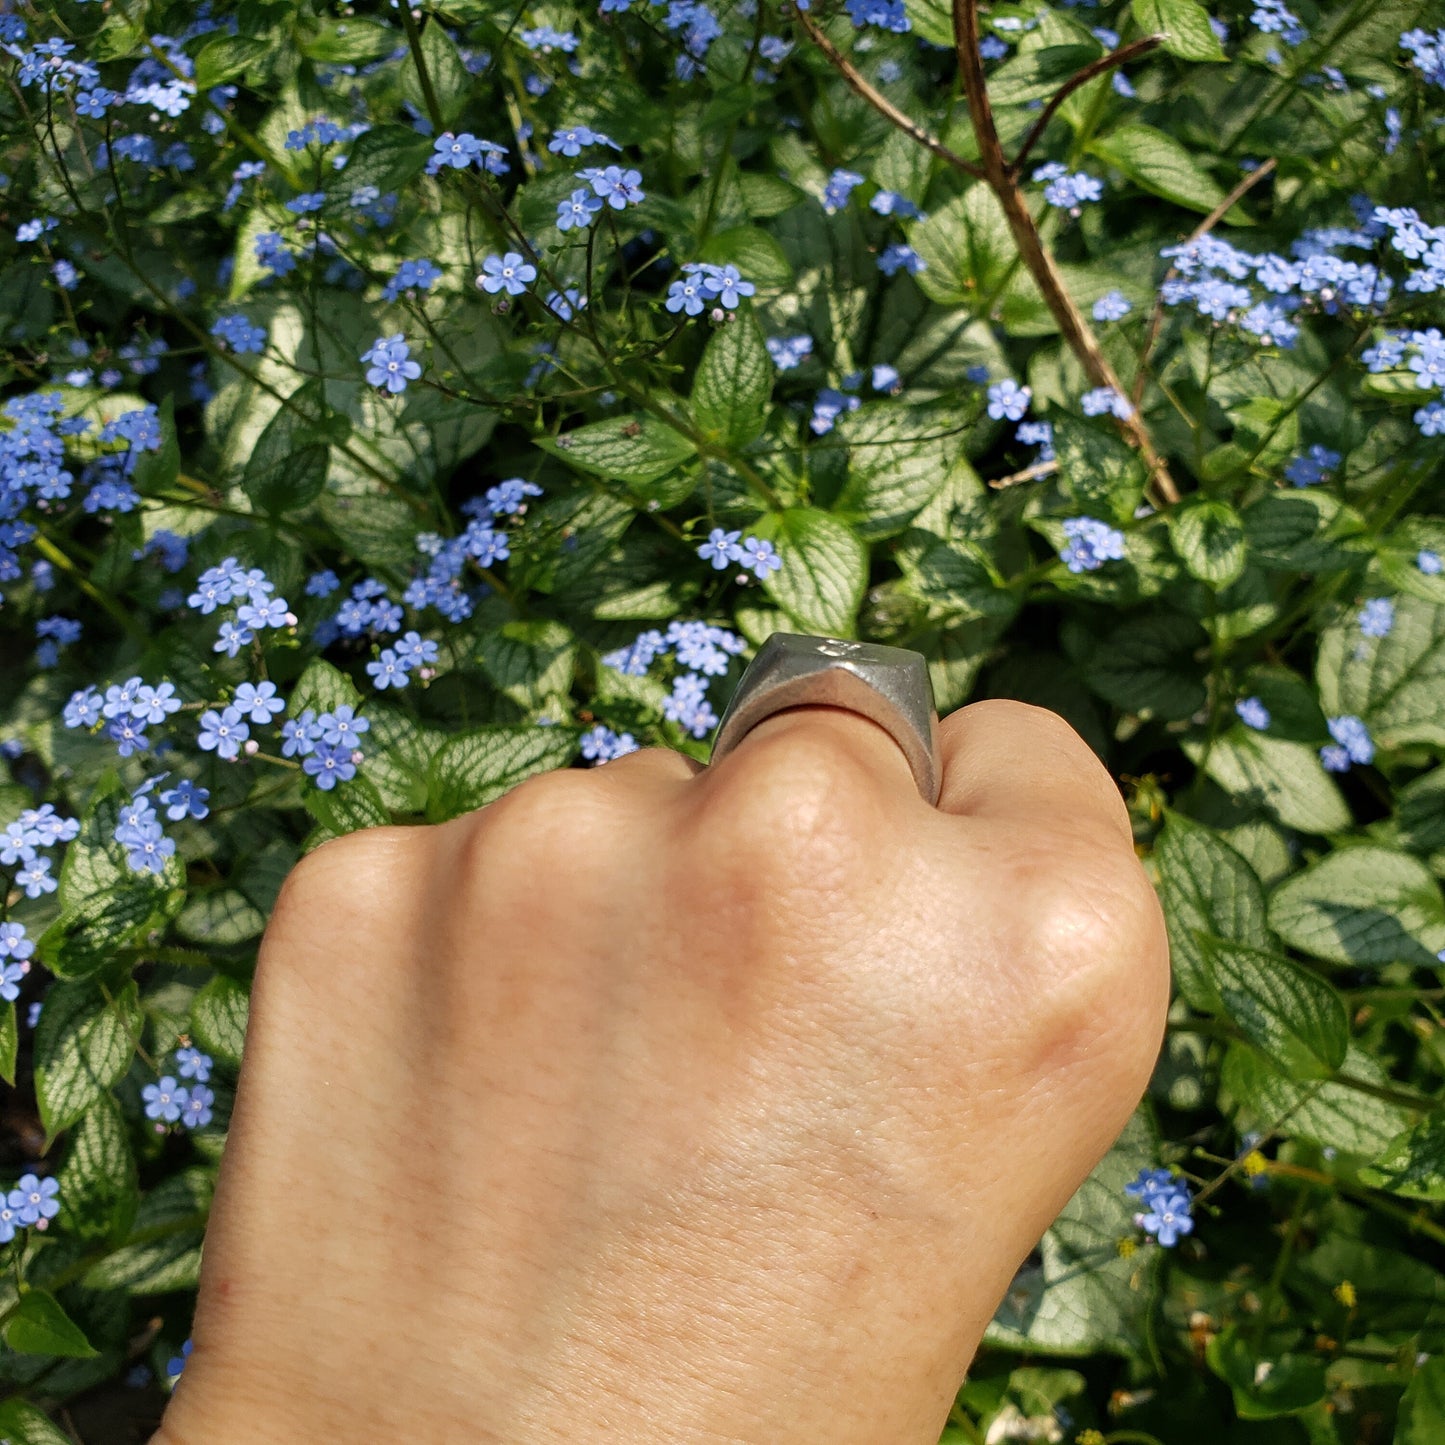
(1252, 713)
(32, 1203)
(21, 843)
(722, 548)
(703, 650)
(458, 152)
(1352, 744)
(169, 1101)
(1165, 1202)
(227, 582)
(703, 284)
(389, 364)
(16, 951)
(1067, 192)
(1090, 544)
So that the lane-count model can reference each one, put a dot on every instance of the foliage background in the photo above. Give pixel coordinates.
(1282, 470)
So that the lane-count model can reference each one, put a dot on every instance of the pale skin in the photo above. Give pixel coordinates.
(655, 1103)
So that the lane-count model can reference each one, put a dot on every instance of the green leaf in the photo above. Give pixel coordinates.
(1304, 531)
(39, 1326)
(84, 1042)
(1294, 710)
(1283, 777)
(1395, 683)
(1422, 1410)
(347, 808)
(1209, 538)
(898, 457)
(766, 195)
(953, 578)
(98, 1186)
(1146, 665)
(104, 905)
(22, 1424)
(9, 1043)
(825, 570)
(754, 252)
(471, 769)
(1157, 163)
(1035, 74)
(529, 660)
(1414, 1163)
(1400, 1298)
(387, 157)
(323, 687)
(1329, 1113)
(1098, 469)
(219, 1013)
(1184, 25)
(354, 40)
(1265, 1387)
(123, 35)
(154, 1266)
(1364, 906)
(227, 56)
(451, 82)
(636, 449)
(1421, 813)
(931, 20)
(222, 917)
(1282, 1008)
(1082, 1296)
(287, 468)
(967, 248)
(733, 383)
(1208, 888)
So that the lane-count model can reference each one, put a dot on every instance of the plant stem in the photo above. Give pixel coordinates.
(1125, 53)
(881, 103)
(413, 40)
(1075, 330)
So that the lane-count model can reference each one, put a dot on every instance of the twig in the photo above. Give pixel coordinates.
(1125, 53)
(880, 102)
(1029, 474)
(1032, 251)
(418, 59)
(1156, 320)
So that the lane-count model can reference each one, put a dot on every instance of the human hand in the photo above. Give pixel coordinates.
(658, 1103)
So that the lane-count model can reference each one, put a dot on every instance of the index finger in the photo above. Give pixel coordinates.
(1002, 758)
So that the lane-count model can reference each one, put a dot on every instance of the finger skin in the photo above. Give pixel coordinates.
(1007, 759)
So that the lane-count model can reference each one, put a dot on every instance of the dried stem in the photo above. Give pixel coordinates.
(1156, 321)
(1034, 473)
(1125, 53)
(1034, 255)
(880, 102)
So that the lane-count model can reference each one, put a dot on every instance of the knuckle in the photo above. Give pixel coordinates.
(346, 868)
(339, 893)
(791, 806)
(548, 820)
(1100, 955)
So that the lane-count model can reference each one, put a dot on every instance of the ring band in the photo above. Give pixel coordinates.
(889, 685)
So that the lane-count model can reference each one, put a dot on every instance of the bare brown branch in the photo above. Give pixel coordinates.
(1122, 56)
(880, 102)
(1032, 251)
(1035, 473)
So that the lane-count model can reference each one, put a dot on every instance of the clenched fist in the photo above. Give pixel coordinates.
(656, 1103)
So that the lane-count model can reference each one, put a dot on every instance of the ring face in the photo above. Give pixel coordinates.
(889, 685)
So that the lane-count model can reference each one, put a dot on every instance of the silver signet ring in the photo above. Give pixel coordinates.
(889, 685)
